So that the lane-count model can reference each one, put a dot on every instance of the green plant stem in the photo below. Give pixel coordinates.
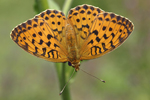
(61, 72)
(66, 6)
(61, 68)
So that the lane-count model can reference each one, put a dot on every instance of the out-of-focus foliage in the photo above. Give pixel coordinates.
(125, 70)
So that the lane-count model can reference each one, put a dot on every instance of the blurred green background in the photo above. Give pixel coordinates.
(125, 70)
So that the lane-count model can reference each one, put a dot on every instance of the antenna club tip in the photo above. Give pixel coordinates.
(104, 81)
(60, 93)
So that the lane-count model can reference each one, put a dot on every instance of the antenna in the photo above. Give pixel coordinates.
(92, 75)
(66, 83)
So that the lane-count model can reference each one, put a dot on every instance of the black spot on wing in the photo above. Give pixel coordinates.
(44, 51)
(70, 12)
(41, 42)
(110, 29)
(24, 25)
(82, 11)
(46, 18)
(89, 12)
(34, 35)
(75, 14)
(33, 41)
(29, 22)
(113, 35)
(42, 14)
(118, 18)
(48, 43)
(40, 33)
(91, 42)
(41, 23)
(95, 32)
(98, 10)
(35, 25)
(112, 15)
(105, 14)
(112, 44)
(87, 26)
(104, 27)
(55, 45)
(105, 37)
(92, 8)
(107, 19)
(77, 8)
(49, 36)
(103, 45)
(48, 12)
(98, 39)
(52, 16)
(85, 7)
(114, 21)
(55, 11)
(36, 20)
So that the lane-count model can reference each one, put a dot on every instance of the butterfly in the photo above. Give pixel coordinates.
(88, 32)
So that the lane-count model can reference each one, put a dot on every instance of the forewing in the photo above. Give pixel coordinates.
(43, 36)
(81, 19)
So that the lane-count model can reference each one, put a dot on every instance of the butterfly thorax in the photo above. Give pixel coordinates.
(73, 53)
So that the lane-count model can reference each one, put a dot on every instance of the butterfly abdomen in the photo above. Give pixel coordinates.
(71, 40)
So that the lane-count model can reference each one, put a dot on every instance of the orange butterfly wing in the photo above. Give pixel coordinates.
(108, 31)
(81, 19)
(43, 36)
(98, 32)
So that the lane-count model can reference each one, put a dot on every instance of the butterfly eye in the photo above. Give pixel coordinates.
(69, 63)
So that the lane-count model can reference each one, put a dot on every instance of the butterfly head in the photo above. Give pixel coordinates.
(76, 66)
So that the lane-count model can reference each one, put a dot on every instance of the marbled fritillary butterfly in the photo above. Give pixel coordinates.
(88, 32)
